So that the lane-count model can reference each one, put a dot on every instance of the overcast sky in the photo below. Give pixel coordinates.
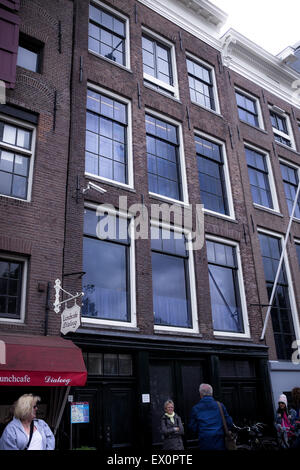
(272, 24)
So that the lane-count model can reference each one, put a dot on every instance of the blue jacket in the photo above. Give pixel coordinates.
(14, 436)
(207, 422)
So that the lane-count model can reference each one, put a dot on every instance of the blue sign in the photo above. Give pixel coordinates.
(80, 412)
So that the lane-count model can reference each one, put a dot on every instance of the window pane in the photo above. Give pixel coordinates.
(9, 134)
(125, 364)
(224, 288)
(5, 183)
(281, 314)
(105, 290)
(6, 161)
(27, 59)
(10, 288)
(19, 188)
(95, 364)
(169, 291)
(110, 364)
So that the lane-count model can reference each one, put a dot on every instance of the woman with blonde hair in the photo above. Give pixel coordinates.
(25, 431)
(171, 428)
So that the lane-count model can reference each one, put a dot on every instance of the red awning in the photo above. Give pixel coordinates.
(49, 361)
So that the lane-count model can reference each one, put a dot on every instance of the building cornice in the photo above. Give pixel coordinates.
(200, 18)
(256, 64)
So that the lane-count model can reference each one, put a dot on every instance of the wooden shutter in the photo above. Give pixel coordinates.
(9, 38)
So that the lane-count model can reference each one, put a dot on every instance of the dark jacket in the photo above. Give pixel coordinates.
(206, 421)
(172, 439)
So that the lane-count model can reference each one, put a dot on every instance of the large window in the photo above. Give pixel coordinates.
(281, 129)
(16, 159)
(281, 314)
(225, 287)
(12, 288)
(107, 263)
(164, 175)
(106, 137)
(170, 279)
(259, 177)
(211, 172)
(108, 34)
(202, 84)
(290, 182)
(159, 64)
(248, 108)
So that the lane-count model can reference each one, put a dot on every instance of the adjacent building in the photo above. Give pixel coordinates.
(120, 119)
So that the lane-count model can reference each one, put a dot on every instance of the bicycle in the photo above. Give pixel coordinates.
(252, 438)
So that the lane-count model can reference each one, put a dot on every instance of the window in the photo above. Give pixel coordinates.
(30, 54)
(202, 84)
(226, 288)
(281, 129)
(259, 175)
(281, 313)
(108, 33)
(248, 109)
(290, 182)
(108, 364)
(108, 263)
(12, 288)
(172, 274)
(16, 159)
(298, 252)
(164, 175)
(107, 139)
(159, 64)
(213, 176)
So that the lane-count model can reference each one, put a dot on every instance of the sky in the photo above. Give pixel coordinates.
(272, 24)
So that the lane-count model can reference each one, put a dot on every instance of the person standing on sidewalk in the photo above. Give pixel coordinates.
(207, 422)
(25, 431)
(171, 428)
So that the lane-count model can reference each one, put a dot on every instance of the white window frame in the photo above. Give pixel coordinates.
(127, 32)
(24, 261)
(130, 184)
(29, 153)
(242, 292)
(270, 178)
(181, 162)
(258, 107)
(292, 297)
(290, 135)
(171, 88)
(231, 215)
(214, 83)
(132, 287)
(192, 280)
(295, 167)
(297, 242)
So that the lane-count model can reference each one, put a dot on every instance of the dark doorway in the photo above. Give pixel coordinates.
(112, 417)
(179, 381)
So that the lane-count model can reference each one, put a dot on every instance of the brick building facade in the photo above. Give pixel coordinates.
(148, 102)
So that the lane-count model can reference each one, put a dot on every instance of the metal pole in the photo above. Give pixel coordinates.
(62, 409)
(280, 263)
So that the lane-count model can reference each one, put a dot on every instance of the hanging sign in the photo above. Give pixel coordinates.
(70, 319)
(80, 412)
